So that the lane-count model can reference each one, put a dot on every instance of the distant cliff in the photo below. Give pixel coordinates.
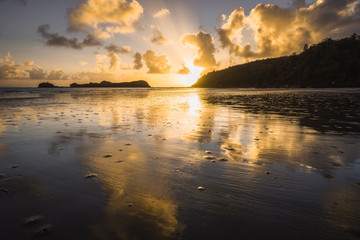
(140, 83)
(331, 63)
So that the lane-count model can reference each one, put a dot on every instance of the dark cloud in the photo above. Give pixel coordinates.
(54, 39)
(137, 61)
(112, 48)
(37, 73)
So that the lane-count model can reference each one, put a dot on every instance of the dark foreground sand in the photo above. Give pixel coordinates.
(179, 164)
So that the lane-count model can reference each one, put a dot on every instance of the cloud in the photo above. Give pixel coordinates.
(122, 15)
(56, 74)
(184, 70)
(112, 48)
(204, 43)
(54, 39)
(114, 62)
(37, 73)
(155, 63)
(137, 61)
(107, 62)
(157, 37)
(282, 31)
(231, 28)
(162, 13)
(11, 70)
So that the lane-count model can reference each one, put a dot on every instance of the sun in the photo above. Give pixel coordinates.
(193, 76)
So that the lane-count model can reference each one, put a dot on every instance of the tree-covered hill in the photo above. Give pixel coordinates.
(331, 63)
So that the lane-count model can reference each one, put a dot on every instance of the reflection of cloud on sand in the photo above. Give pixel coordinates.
(136, 207)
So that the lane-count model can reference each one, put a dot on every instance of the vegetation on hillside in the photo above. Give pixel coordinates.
(330, 63)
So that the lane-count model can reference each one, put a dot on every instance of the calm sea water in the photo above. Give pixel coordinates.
(180, 164)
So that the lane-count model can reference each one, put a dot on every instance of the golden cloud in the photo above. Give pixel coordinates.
(157, 64)
(282, 31)
(232, 27)
(157, 37)
(122, 15)
(11, 70)
(184, 70)
(204, 43)
(162, 13)
(114, 62)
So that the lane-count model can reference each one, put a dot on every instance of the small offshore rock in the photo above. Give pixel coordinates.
(4, 190)
(61, 148)
(33, 220)
(267, 172)
(43, 229)
(15, 166)
(90, 175)
(107, 156)
(200, 188)
(2, 175)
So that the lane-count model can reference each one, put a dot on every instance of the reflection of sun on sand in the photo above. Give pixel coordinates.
(137, 208)
(193, 76)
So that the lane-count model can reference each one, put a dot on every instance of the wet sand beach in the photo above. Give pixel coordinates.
(165, 163)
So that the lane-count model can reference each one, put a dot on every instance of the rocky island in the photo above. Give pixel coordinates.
(46, 85)
(139, 83)
(330, 63)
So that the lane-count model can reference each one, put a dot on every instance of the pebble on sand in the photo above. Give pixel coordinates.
(90, 175)
(223, 160)
(200, 188)
(229, 148)
(33, 220)
(209, 157)
(208, 152)
(107, 156)
(267, 172)
(4, 190)
(43, 229)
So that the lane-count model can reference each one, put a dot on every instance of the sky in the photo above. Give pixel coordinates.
(168, 43)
